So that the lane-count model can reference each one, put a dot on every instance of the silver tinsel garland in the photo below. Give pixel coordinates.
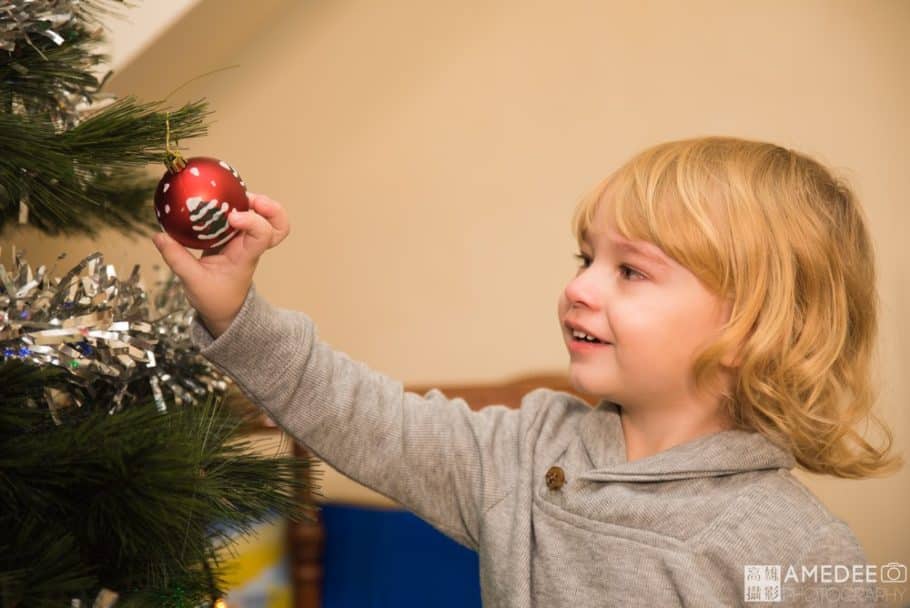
(102, 331)
(22, 19)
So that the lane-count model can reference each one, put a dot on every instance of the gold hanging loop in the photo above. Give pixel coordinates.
(172, 157)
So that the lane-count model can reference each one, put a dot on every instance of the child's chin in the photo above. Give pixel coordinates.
(581, 384)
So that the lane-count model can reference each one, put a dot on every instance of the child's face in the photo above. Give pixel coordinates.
(654, 316)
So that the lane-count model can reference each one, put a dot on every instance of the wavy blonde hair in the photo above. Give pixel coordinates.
(786, 241)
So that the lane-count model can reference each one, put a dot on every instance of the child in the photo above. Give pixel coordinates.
(725, 314)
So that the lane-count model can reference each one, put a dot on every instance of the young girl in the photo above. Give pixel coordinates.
(724, 312)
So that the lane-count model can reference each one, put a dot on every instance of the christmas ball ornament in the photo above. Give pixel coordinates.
(194, 197)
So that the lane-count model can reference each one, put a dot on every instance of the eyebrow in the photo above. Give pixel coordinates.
(631, 248)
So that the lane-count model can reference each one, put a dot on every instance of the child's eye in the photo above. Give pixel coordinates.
(585, 261)
(623, 267)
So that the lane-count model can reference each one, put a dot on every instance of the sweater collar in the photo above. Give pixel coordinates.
(723, 453)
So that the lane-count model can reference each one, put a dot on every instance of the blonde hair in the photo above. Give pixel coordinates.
(785, 240)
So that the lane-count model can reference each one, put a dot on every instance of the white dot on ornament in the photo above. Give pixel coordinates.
(167, 208)
(195, 171)
(224, 164)
(213, 183)
(166, 186)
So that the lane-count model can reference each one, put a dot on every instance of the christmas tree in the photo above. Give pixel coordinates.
(119, 448)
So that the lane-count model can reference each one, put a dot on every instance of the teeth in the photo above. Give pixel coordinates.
(582, 335)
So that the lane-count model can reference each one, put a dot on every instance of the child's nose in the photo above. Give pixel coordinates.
(584, 289)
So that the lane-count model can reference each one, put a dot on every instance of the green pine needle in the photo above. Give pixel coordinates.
(140, 499)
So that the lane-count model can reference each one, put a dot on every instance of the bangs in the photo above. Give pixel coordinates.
(652, 199)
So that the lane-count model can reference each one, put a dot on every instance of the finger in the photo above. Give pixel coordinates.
(178, 258)
(257, 231)
(276, 215)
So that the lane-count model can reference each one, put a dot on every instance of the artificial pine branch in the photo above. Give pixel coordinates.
(37, 78)
(53, 56)
(75, 170)
(132, 497)
(49, 566)
(88, 177)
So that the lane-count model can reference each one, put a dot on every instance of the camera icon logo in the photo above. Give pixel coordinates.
(893, 572)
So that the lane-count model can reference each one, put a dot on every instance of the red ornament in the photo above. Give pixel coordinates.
(193, 199)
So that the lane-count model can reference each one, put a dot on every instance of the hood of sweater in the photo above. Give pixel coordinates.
(722, 453)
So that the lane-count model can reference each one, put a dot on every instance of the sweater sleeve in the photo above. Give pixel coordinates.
(434, 455)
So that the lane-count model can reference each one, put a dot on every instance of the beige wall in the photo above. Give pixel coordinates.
(130, 32)
(430, 155)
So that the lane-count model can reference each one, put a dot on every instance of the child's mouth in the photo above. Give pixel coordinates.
(582, 344)
(588, 340)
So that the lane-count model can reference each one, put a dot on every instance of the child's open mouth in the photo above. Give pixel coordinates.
(584, 338)
(588, 340)
(587, 343)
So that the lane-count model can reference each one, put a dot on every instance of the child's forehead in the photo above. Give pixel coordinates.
(603, 228)
(612, 239)
(599, 226)
(601, 219)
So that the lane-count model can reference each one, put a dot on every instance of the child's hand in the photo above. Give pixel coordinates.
(216, 284)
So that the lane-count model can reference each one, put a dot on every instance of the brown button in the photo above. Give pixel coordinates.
(555, 478)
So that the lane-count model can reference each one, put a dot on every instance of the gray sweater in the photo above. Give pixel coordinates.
(544, 493)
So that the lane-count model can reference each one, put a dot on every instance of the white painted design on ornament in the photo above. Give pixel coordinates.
(218, 215)
(167, 209)
(214, 235)
(194, 171)
(167, 186)
(229, 168)
(225, 239)
(213, 183)
(208, 207)
(242, 183)
(192, 203)
(224, 164)
(212, 210)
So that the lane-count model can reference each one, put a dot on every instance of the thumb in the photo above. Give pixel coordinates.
(178, 257)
